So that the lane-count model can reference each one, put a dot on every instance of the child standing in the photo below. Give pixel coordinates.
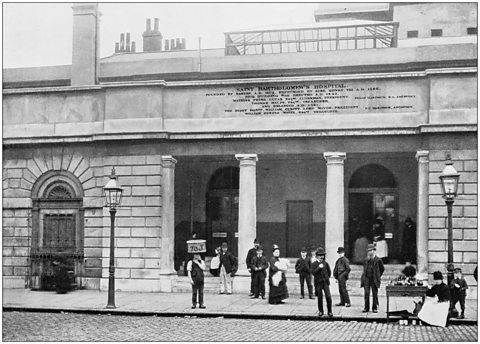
(302, 268)
(195, 268)
(321, 272)
(458, 288)
(259, 267)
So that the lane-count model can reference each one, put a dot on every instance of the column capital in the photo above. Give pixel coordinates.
(247, 159)
(335, 157)
(168, 161)
(422, 156)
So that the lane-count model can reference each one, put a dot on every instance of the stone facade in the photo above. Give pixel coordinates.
(465, 213)
(168, 129)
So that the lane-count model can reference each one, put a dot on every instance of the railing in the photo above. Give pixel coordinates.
(366, 36)
(42, 268)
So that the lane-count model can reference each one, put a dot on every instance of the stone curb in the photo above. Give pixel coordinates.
(215, 315)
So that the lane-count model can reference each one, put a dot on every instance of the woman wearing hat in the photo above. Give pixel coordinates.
(277, 279)
(436, 312)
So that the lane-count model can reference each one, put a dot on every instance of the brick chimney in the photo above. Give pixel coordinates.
(152, 39)
(85, 44)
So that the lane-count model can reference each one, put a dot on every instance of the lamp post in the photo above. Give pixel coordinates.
(449, 179)
(113, 197)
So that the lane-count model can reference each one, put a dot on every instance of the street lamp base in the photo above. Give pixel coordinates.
(110, 307)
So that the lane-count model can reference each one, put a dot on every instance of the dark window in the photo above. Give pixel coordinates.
(437, 32)
(372, 176)
(412, 34)
(471, 30)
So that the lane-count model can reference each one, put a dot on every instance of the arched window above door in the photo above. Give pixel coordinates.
(225, 178)
(372, 176)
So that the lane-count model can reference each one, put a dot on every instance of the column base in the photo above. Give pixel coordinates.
(167, 281)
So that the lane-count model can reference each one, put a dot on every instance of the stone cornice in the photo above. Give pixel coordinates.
(224, 82)
(423, 129)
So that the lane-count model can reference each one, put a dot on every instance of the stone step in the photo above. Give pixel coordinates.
(241, 284)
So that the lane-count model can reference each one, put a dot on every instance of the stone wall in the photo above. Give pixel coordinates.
(465, 208)
(138, 221)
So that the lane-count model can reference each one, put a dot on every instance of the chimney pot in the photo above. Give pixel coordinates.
(149, 25)
(122, 42)
(172, 44)
(127, 44)
(156, 25)
(116, 47)
(167, 45)
(184, 44)
(133, 47)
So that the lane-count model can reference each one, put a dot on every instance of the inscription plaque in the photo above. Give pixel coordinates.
(320, 98)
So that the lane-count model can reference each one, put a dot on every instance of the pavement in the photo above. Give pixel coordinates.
(228, 306)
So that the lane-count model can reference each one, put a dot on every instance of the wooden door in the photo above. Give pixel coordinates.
(299, 226)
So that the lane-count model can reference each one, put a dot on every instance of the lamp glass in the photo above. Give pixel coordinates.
(113, 193)
(449, 180)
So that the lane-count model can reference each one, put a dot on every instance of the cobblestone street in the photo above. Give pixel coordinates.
(33, 326)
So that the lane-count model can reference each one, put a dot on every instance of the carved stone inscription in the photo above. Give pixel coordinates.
(321, 98)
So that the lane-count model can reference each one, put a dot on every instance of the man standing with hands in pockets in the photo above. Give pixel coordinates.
(340, 272)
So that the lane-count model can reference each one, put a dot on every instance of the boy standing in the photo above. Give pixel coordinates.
(302, 267)
(341, 272)
(458, 288)
(259, 267)
(321, 272)
(228, 267)
(195, 268)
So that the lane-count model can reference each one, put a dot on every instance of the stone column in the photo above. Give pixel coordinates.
(334, 205)
(167, 231)
(247, 208)
(422, 212)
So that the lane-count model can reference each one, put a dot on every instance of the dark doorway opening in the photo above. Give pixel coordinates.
(222, 209)
(299, 226)
(372, 194)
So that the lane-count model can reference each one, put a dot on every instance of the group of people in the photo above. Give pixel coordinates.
(225, 266)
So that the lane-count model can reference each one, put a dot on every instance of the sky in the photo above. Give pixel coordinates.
(40, 34)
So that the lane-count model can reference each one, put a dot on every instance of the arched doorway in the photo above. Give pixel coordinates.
(57, 228)
(372, 192)
(222, 208)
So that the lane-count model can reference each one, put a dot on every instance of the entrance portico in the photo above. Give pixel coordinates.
(283, 198)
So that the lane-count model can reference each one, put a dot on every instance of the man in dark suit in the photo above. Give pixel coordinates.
(341, 272)
(372, 272)
(321, 272)
(259, 268)
(251, 253)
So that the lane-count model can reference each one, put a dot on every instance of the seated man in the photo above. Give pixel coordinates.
(409, 271)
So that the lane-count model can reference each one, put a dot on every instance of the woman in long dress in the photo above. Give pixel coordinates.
(278, 291)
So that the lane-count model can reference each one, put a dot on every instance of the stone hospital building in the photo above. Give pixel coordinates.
(297, 136)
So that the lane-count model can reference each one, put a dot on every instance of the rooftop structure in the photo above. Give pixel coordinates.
(325, 36)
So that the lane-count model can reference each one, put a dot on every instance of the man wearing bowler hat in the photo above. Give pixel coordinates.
(372, 272)
(250, 254)
(228, 268)
(341, 272)
(321, 272)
